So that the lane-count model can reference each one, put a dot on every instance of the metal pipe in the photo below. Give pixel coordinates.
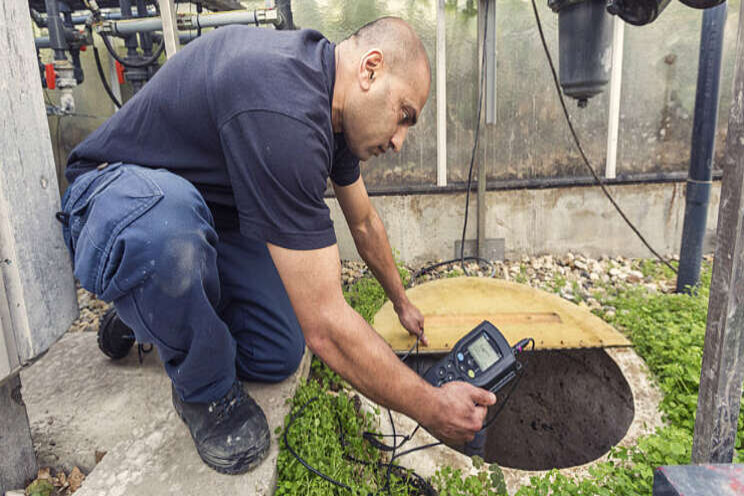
(145, 38)
(71, 36)
(223, 18)
(129, 41)
(126, 28)
(187, 22)
(111, 16)
(441, 60)
(703, 144)
(613, 123)
(537, 183)
(56, 30)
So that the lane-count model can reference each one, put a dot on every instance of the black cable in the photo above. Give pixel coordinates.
(581, 149)
(133, 64)
(511, 390)
(102, 76)
(429, 268)
(370, 437)
(477, 137)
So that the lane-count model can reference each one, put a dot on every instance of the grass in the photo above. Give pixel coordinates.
(667, 331)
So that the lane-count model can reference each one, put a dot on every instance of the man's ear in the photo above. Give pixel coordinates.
(370, 65)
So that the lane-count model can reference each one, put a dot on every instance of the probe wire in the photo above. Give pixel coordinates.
(599, 180)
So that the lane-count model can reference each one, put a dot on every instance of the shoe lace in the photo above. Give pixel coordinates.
(225, 405)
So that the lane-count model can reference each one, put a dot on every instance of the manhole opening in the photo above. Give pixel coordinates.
(570, 407)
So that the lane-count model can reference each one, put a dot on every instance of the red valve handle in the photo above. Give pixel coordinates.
(51, 76)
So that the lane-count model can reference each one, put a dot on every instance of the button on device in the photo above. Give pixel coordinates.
(460, 357)
(450, 377)
(441, 372)
(450, 365)
(471, 374)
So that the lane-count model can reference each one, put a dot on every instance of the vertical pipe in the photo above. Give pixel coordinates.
(145, 38)
(490, 68)
(56, 30)
(703, 142)
(441, 97)
(130, 41)
(613, 125)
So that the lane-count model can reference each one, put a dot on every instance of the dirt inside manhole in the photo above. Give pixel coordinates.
(569, 408)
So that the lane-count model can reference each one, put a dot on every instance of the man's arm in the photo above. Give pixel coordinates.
(373, 246)
(344, 341)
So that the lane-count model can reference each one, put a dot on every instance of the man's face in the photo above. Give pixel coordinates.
(381, 108)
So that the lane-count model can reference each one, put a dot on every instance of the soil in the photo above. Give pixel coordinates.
(570, 408)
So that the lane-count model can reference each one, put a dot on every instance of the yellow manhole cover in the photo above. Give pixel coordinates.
(452, 307)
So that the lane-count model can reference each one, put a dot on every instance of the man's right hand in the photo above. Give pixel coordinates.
(458, 413)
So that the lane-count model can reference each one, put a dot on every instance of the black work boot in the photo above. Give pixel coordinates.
(231, 434)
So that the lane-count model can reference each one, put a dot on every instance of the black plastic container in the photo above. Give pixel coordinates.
(585, 47)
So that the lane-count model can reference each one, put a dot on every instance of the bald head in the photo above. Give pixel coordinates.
(382, 84)
(401, 45)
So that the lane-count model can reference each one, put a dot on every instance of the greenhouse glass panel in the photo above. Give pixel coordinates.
(337, 19)
(659, 83)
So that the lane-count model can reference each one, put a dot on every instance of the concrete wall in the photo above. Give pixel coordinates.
(546, 221)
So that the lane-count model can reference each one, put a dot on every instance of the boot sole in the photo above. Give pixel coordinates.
(231, 468)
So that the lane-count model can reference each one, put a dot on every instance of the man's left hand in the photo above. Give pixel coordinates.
(412, 319)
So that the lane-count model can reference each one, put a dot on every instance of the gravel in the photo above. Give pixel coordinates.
(574, 277)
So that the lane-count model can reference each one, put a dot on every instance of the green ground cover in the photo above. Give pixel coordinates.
(667, 331)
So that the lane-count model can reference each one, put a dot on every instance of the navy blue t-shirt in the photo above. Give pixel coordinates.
(244, 114)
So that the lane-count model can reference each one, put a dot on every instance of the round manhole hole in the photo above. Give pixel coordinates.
(570, 407)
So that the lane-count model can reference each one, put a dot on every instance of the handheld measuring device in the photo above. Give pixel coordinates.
(482, 357)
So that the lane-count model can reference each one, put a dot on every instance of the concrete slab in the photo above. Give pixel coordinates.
(81, 402)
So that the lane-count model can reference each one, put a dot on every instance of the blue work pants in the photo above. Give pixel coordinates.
(211, 302)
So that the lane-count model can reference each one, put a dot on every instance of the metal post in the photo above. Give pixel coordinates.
(723, 354)
(701, 151)
(170, 31)
(114, 80)
(487, 23)
(441, 97)
(613, 126)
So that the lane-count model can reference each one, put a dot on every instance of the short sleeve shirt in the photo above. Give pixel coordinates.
(244, 114)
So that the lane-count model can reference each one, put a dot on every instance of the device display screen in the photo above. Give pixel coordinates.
(483, 353)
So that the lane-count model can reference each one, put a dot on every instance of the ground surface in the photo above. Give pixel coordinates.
(116, 417)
